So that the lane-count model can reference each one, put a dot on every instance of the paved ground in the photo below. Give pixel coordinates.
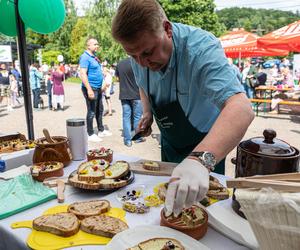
(286, 125)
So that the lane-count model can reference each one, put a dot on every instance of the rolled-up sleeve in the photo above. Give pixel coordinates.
(217, 79)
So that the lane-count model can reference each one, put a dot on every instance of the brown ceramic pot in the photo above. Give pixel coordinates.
(196, 232)
(45, 170)
(264, 155)
(57, 151)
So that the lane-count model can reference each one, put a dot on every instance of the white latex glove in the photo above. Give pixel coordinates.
(191, 186)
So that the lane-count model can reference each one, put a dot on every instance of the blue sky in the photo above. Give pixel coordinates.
(285, 5)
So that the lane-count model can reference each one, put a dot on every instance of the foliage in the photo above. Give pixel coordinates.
(261, 21)
(50, 56)
(78, 38)
(199, 13)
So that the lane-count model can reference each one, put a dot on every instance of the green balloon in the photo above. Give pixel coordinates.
(42, 16)
(8, 25)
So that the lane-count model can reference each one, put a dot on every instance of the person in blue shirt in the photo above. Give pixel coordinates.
(35, 77)
(92, 78)
(187, 84)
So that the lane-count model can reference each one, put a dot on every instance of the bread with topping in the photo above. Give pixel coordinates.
(85, 209)
(103, 225)
(92, 171)
(117, 170)
(62, 224)
(151, 165)
(159, 244)
(112, 183)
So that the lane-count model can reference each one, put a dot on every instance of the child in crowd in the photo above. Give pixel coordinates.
(13, 91)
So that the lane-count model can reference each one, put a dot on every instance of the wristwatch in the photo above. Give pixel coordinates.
(206, 158)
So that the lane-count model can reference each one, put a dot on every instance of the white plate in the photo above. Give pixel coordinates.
(133, 236)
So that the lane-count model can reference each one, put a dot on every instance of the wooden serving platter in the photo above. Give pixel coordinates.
(166, 168)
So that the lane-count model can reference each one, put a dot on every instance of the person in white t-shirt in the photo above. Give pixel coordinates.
(106, 87)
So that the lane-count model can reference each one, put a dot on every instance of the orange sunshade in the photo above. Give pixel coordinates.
(287, 37)
(240, 43)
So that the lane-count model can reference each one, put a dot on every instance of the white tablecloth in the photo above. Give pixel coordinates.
(16, 238)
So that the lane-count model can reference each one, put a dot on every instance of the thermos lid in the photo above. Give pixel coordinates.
(76, 122)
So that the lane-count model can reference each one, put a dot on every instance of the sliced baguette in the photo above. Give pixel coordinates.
(83, 184)
(117, 170)
(103, 225)
(62, 224)
(89, 208)
(151, 165)
(111, 183)
(159, 244)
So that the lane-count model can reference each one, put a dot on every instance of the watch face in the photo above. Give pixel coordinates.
(209, 159)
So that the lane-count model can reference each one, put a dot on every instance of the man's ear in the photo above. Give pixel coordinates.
(168, 28)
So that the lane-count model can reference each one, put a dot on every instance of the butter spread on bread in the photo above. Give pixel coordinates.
(62, 224)
(103, 225)
(85, 209)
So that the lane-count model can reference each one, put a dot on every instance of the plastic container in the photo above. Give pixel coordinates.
(77, 135)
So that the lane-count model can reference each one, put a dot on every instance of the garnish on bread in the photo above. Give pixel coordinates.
(117, 170)
(92, 171)
(159, 244)
(103, 225)
(62, 224)
(151, 165)
(89, 208)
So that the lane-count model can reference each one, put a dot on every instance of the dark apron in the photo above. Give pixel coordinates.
(178, 136)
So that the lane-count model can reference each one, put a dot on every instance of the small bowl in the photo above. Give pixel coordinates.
(94, 154)
(128, 198)
(42, 170)
(196, 232)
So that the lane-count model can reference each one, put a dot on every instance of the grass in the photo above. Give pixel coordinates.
(73, 80)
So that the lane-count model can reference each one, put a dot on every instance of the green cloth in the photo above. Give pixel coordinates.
(21, 193)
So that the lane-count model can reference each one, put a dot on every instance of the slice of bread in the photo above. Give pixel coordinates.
(89, 208)
(92, 171)
(103, 225)
(62, 224)
(117, 170)
(75, 182)
(222, 194)
(159, 244)
(151, 165)
(112, 183)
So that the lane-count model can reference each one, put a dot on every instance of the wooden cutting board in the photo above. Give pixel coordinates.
(166, 168)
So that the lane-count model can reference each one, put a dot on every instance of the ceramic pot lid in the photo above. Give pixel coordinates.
(268, 145)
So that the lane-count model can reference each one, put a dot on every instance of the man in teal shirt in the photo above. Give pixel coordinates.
(195, 96)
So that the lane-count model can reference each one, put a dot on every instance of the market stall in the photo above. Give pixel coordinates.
(18, 238)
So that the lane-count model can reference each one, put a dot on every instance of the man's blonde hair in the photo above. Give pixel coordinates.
(136, 16)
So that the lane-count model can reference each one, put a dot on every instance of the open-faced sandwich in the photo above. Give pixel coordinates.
(103, 225)
(159, 244)
(117, 170)
(92, 171)
(151, 165)
(62, 224)
(86, 209)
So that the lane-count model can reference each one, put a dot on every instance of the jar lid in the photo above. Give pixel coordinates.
(76, 122)
(268, 145)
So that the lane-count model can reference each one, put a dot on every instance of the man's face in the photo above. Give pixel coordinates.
(93, 45)
(3, 66)
(150, 50)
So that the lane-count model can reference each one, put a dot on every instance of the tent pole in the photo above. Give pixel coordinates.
(22, 50)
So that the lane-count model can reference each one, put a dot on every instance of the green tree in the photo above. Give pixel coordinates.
(199, 13)
(51, 56)
(261, 21)
(78, 37)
